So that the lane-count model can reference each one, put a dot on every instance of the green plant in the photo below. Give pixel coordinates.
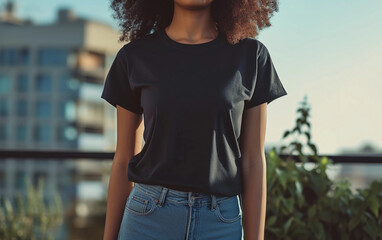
(305, 204)
(32, 218)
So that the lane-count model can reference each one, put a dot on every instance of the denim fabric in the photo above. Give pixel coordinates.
(156, 212)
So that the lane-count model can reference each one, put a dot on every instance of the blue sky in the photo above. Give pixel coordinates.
(330, 51)
(44, 11)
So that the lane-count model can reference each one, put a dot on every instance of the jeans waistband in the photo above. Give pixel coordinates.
(162, 192)
(158, 189)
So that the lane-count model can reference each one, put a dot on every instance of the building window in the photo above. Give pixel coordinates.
(4, 107)
(52, 57)
(4, 134)
(3, 57)
(68, 84)
(43, 108)
(67, 110)
(20, 179)
(24, 57)
(21, 133)
(14, 57)
(8, 57)
(22, 83)
(5, 83)
(44, 83)
(2, 178)
(22, 108)
(42, 133)
(67, 133)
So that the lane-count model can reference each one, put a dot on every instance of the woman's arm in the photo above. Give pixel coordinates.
(254, 171)
(129, 140)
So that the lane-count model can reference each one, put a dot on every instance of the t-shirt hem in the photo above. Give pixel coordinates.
(268, 101)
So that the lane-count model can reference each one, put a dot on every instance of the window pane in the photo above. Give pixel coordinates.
(42, 133)
(24, 57)
(2, 178)
(21, 133)
(22, 108)
(5, 83)
(4, 134)
(68, 84)
(44, 83)
(22, 83)
(43, 108)
(52, 57)
(4, 107)
(14, 57)
(3, 57)
(67, 133)
(67, 110)
(20, 179)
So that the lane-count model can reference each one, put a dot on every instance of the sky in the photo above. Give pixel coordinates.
(328, 50)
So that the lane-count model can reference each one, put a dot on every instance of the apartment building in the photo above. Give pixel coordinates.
(51, 78)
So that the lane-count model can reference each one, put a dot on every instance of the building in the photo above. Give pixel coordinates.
(50, 82)
(51, 78)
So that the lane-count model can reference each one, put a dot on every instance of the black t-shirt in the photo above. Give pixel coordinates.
(192, 97)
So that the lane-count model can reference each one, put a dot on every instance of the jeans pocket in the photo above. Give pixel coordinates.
(139, 203)
(228, 210)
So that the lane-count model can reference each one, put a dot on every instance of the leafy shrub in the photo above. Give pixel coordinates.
(32, 218)
(305, 204)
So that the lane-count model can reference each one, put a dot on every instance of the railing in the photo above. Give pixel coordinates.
(72, 154)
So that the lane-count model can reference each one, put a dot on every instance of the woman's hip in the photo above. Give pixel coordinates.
(157, 212)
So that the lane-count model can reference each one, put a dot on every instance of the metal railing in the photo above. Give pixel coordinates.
(73, 154)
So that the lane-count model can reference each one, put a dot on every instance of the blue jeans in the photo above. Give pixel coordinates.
(156, 212)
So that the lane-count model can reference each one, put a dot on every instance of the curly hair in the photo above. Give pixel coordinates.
(235, 19)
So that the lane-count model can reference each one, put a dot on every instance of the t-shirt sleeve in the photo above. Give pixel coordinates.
(117, 88)
(268, 86)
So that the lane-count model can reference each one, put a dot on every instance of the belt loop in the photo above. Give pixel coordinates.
(162, 196)
(189, 197)
(213, 202)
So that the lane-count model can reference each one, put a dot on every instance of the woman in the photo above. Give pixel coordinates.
(202, 82)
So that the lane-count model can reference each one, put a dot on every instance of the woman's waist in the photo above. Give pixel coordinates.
(180, 192)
